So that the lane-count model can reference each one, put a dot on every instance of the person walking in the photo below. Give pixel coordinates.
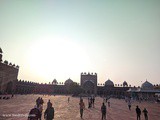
(48, 103)
(82, 107)
(38, 101)
(40, 109)
(103, 111)
(145, 113)
(93, 100)
(129, 104)
(109, 104)
(138, 111)
(49, 112)
(41, 101)
(89, 103)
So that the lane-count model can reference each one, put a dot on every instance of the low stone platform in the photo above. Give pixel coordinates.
(18, 107)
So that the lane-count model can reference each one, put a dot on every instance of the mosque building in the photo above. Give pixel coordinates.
(88, 85)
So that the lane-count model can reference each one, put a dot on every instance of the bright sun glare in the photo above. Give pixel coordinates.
(58, 56)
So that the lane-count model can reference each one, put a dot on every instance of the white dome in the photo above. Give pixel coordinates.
(109, 83)
(147, 85)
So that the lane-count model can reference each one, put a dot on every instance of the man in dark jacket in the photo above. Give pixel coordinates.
(34, 114)
(138, 111)
(49, 113)
(103, 110)
(49, 103)
(145, 113)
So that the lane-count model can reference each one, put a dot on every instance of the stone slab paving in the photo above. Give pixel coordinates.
(18, 108)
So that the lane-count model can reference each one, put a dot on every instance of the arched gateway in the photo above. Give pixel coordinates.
(89, 83)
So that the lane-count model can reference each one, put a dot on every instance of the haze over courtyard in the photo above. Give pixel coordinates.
(60, 39)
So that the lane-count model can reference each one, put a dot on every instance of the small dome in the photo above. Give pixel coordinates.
(68, 82)
(54, 82)
(147, 85)
(109, 83)
(125, 83)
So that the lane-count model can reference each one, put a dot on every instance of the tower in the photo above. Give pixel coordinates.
(8, 76)
(89, 83)
(1, 55)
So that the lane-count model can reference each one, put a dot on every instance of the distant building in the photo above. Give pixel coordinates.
(88, 85)
(147, 91)
(8, 76)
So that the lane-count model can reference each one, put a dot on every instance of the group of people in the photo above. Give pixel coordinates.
(6, 96)
(91, 101)
(138, 111)
(39, 101)
(104, 109)
(36, 112)
(107, 100)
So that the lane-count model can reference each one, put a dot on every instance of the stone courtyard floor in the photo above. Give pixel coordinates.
(18, 107)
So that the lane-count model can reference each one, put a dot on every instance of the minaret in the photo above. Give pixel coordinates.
(1, 55)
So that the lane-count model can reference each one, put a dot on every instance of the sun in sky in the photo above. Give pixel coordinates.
(57, 56)
(60, 39)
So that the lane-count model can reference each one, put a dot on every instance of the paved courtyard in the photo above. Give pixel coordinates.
(19, 106)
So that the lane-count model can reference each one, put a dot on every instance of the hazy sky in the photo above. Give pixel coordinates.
(117, 39)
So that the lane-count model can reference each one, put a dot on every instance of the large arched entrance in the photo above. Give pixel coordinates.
(88, 87)
(9, 87)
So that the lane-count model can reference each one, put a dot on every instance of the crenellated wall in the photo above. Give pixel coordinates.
(8, 76)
